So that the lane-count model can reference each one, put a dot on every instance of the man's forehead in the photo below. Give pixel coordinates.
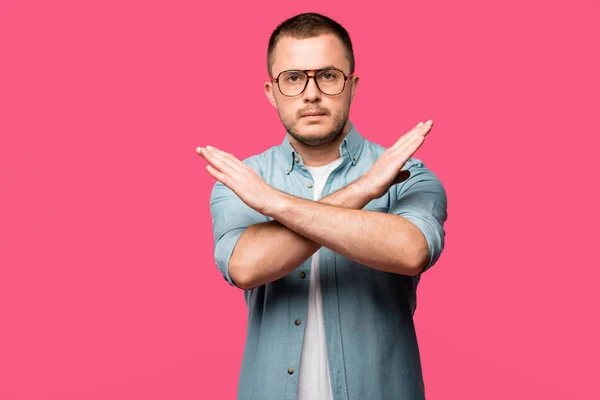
(309, 54)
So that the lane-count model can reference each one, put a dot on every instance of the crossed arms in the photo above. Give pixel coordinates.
(257, 251)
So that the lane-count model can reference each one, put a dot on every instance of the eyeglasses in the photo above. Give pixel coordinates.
(329, 81)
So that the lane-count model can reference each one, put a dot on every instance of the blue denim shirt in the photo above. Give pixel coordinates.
(371, 342)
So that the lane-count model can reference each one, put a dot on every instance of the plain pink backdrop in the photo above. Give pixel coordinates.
(108, 287)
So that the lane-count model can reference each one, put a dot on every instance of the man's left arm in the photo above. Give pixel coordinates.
(407, 240)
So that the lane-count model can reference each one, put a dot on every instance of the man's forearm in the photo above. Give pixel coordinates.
(382, 241)
(268, 251)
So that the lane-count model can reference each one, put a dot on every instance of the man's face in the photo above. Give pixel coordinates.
(311, 54)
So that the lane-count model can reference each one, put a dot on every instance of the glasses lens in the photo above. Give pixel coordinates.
(292, 83)
(330, 81)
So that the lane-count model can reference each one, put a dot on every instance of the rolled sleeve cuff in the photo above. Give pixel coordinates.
(435, 240)
(224, 250)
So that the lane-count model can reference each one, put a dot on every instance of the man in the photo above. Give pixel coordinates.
(327, 234)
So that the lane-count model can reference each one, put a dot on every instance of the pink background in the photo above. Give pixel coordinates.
(108, 287)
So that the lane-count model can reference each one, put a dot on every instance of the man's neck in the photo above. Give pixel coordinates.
(317, 156)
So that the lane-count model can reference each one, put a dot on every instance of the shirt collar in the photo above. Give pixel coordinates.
(350, 148)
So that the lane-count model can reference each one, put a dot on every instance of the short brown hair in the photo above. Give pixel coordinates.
(308, 25)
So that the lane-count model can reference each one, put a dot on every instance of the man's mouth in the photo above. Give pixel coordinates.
(313, 114)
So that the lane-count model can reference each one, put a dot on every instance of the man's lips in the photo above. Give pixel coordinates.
(313, 114)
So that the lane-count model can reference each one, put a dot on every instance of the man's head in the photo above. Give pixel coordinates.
(310, 42)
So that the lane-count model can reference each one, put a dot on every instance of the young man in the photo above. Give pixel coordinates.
(327, 234)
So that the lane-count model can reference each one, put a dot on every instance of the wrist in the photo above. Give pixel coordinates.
(276, 204)
(365, 188)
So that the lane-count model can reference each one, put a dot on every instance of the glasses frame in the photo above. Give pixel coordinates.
(306, 71)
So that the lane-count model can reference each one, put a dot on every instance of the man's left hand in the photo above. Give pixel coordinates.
(240, 178)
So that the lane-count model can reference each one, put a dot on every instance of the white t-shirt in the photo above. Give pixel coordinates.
(313, 378)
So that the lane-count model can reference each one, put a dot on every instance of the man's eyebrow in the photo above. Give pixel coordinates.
(314, 69)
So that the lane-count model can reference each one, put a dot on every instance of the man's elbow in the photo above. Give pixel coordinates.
(419, 261)
(417, 268)
(241, 277)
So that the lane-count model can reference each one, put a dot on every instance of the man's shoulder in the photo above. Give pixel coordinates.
(419, 170)
(422, 179)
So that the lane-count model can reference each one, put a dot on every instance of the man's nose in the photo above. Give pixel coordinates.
(312, 92)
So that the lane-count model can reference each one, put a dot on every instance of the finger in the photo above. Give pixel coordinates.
(215, 160)
(223, 153)
(422, 131)
(408, 134)
(411, 147)
(228, 158)
(426, 127)
(217, 156)
(419, 129)
(221, 177)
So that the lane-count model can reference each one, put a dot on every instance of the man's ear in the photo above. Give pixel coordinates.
(354, 84)
(270, 93)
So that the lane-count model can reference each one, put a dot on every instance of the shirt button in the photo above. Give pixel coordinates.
(302, 275)
(297, 159)
(309, 185)
(290, 371)
(353, 158)
(297, 322)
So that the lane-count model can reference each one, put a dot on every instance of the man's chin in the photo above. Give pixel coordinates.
(314, 136)
(313, 124)
(313, 130)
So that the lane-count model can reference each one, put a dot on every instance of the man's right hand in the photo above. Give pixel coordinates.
(387, 169)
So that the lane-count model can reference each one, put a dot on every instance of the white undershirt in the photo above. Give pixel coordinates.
(313, 380)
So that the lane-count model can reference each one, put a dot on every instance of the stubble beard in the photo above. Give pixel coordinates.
(339, 121)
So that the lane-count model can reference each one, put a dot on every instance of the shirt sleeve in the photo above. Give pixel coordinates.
(422, 200)
(230, 218)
